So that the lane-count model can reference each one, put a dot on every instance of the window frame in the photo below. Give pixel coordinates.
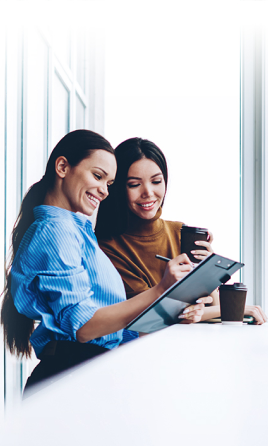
(254, 166)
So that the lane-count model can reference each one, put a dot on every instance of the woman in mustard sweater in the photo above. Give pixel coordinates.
(136, 232)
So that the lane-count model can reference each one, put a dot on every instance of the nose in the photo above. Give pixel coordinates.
(103, 190)
(146, 191)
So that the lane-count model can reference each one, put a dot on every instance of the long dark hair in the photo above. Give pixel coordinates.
(75, 146)
(115, 209)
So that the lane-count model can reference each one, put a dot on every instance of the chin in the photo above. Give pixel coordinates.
(146, 216)
(87, 212)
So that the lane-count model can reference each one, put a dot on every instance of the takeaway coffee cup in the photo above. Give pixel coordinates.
(232, 303)
(190, 234)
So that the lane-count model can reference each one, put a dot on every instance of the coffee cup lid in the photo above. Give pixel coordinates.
(193, 229)
(235, 286)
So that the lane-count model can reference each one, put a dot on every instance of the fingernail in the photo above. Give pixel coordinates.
(197, 243)
(192, 252)
(181, 316)
(199, 301)
(185, 311)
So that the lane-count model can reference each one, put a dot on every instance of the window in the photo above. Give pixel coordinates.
(177, 83)
(48, 90)
(254, 104)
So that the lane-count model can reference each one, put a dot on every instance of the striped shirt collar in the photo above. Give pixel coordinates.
(45, 212)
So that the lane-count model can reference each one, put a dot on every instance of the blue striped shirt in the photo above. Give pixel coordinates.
(61, 277)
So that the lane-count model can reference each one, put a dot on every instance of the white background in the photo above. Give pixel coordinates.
(172, 72)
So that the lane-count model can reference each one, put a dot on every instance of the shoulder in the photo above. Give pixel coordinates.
(57, 232)
(55, 241)
(118, 251)
(111, 244)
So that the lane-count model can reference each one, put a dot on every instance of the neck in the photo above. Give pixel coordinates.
(54, 199)
(143, 227)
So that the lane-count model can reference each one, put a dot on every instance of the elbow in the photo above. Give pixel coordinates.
(81, 336)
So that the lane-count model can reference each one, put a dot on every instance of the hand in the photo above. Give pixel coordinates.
(257, 312)
(210, 237)
(201, 254)
(176, 269)
(194, 313)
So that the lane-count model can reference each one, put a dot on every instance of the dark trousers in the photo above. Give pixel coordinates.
(57, 357)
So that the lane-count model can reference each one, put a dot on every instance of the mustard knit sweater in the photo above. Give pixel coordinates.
(133, 253)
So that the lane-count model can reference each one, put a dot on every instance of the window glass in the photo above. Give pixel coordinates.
(265, 242)
(13, 185)
(62, 43)
(60, 110)
(80, 113)
(80, 59)
(36, 102)
(180, 88)
(2, 205)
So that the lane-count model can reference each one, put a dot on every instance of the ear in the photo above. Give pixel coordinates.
(61, 166)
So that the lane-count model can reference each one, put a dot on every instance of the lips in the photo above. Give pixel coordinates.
(147, 206)
(93, 200)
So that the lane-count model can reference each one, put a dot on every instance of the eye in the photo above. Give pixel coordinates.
(157, 182)
(133, 185)
(96, 175)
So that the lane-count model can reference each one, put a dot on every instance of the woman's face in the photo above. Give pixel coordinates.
(145, 188)
(86, 185)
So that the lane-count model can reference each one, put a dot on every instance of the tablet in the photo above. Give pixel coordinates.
(200, 282)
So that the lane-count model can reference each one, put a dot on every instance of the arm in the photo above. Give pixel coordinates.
(115, 317)
(210, 312)
(255, 311)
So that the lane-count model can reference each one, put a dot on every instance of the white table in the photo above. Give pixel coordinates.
(196, 384)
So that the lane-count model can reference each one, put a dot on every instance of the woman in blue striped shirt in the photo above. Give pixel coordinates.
(58, 274)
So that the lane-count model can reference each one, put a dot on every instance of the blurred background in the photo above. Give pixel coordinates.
(189, 76)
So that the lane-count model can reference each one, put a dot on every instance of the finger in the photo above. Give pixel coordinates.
(178, 270)
(195, 319)
(199, 254)
(257, 316)
(192, 315)
(206, 245)
(255, 312)
(210, 237)
(262, 313)
(201, 257)
(181, 259)
(191, 311)
(185, 268)
(205, 300)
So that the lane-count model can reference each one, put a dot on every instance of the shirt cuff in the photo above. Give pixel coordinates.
(76, 316)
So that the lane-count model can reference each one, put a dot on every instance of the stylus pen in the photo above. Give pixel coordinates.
(166, 259)
(162, 258)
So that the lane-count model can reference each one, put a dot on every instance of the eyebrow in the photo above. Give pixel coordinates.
(137, 178)
(105, 173)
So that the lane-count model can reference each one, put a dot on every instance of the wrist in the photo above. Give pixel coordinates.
(159, 289)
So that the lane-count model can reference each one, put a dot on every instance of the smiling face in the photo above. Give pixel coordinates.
(145, 188)
(84, 186)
